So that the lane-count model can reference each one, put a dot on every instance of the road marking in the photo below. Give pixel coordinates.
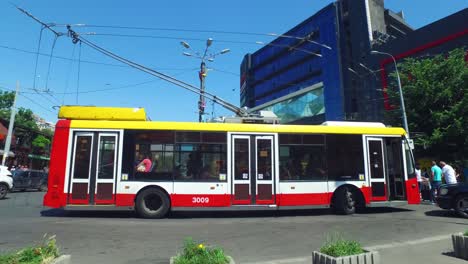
(410, 242)
(285, 261)
(373, 248)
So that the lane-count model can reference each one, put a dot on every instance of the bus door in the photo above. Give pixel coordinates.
(252, 170)
(376, 169)
(93, 168)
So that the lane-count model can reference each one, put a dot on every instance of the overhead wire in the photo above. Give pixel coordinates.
(22, 94)
(70, 66)
(79, 68)
(37, 56)
(203, 31)
(82, 61)
(158, 74)
(50, 62)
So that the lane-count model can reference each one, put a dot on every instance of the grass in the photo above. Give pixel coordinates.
(339, 247)
(194, 253)
(46, 251)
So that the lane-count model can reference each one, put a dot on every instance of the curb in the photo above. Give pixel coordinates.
(63, 259)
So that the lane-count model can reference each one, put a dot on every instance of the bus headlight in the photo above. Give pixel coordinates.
(443, 191)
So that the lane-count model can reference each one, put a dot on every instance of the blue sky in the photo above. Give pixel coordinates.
(127, 87)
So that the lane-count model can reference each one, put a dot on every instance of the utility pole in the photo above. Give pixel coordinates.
(201, 102)
(202, 74)
(402, 101)
(6, 151)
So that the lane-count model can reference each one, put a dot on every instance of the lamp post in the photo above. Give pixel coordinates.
(202, 73)
(402, 101)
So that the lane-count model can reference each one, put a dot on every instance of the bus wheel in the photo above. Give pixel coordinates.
(345, 201)
(152, 203)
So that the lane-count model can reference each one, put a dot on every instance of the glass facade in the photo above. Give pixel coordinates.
(278, 71)
(298, 107)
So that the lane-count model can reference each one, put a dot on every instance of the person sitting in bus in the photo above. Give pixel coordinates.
(145, 164)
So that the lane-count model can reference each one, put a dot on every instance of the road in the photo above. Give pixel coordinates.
(250, 237)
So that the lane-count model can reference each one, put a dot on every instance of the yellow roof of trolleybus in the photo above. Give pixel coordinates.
(91, 117)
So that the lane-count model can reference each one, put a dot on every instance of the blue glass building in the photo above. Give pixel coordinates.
(312, 73)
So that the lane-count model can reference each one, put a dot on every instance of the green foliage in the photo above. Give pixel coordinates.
(43, 253)
(466, 233)
(336, 246)
(194, 253)
(436, 98)
(40, 142)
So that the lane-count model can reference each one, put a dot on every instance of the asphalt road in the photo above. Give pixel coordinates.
(250, 237)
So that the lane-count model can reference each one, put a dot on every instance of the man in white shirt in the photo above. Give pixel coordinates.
(448, 172)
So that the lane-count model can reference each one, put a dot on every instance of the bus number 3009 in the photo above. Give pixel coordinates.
(200, 200)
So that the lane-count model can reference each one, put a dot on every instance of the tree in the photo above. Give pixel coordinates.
(436, 98)
(6, 102)
(41, 142)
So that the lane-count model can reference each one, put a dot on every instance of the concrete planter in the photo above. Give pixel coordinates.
(231, 261)
(460, 245)
(370, 257)
(63, 259)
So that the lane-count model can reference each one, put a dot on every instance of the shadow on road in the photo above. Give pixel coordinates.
(87, 214)
(383, 210)
(450, 254)
(214, 214)
(443, 213)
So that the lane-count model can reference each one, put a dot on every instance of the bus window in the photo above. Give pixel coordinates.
(302, 158)
(180, 156)
(345, 157)
(409, 161)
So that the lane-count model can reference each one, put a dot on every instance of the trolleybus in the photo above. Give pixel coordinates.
(224, 166)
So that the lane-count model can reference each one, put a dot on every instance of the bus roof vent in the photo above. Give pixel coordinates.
(102, 113)
(262, 117)
(353, 124)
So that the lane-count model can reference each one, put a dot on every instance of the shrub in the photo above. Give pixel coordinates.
(338, 247)
(46, 251)
(194, 253)
(466, 233)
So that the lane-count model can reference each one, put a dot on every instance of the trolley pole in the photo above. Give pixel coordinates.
(6, 151)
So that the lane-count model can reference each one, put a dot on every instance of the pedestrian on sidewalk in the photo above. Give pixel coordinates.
(436, 179)
(448, 172)
(417, 171)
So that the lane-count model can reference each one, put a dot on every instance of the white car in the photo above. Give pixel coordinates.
(6, 181)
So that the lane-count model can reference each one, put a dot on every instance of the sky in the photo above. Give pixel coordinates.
(85, 77)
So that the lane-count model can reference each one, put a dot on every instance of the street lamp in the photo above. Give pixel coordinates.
(202, 73)
(403, 110)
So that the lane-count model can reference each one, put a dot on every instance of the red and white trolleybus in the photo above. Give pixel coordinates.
(224, 166)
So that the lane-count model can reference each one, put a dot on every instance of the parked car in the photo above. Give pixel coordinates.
(6, 181)
(29, 179)
(454, 196)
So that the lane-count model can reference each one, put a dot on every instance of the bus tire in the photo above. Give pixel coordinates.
(152, 203)
(345, 201)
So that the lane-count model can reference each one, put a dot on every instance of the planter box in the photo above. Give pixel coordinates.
(371, 257)
(460, 245)
(231, 261)
(63, 259)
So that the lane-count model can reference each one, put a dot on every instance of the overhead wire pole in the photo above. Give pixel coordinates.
(202, 73)
(6, 151)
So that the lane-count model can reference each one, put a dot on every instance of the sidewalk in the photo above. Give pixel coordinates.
(431, 250)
